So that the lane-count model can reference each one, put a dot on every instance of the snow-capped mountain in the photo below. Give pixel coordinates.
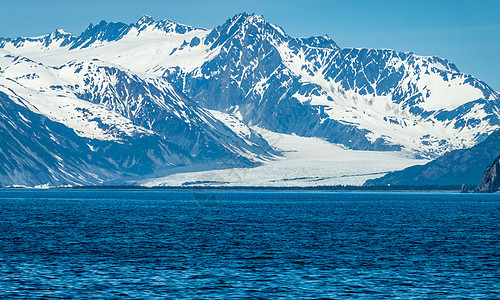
(36, 150)
(56, 39)
(132, 125)
(362, 98)
(199, 90)
(462, 166)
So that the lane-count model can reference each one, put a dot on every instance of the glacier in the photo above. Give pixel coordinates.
(136, 103)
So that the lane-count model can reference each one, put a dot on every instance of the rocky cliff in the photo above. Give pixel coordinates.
(491, 179)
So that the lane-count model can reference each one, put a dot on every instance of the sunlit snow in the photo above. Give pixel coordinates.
(306, 162)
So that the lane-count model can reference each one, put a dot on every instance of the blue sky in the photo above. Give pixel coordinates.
(465, 32)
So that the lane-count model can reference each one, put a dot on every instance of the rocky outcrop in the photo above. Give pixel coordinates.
(491, 179)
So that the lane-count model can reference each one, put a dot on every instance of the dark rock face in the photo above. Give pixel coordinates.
(255, 54)
(36, 150)
(465, 166)
(364, 99)
(491, 179)
(172, 131)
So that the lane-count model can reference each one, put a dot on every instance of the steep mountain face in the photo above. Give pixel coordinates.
(125, 124)
(36, 150)
(362, 98)
(463, 166)
(249, 77)
(199, 90)
(491, 178)
(153, 104)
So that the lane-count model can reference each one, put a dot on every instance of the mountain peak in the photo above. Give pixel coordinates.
(61, 32)
(245, 25)
(248, 19)
(319, 42)
(145, 19)
(103, 31)
(146, 22)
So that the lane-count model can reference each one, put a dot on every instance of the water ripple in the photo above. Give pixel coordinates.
(128, 244)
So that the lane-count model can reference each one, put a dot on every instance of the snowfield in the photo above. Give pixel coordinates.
(244, 100)
(306, 162)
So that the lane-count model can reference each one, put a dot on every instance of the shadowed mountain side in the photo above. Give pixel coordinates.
(36, 150)
(456, 167)
(491, 179)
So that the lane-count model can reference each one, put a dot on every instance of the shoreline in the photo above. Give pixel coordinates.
(403, 188)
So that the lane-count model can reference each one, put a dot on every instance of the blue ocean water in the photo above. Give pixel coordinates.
(255, 245)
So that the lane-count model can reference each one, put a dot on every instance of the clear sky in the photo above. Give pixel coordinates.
(465, 32)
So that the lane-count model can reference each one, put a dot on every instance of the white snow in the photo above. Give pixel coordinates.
(149, 51)
(41, 90)
(233, 122)
(387, 119)
(306, 162)
(446, 95)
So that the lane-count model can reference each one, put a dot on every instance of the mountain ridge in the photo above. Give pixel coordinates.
(314, 81)
(107, 108)
(171, 81)
(462, 166)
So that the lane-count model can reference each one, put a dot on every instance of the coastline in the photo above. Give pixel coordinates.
(340, 188)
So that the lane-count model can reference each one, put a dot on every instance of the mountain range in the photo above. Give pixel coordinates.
(121, 102)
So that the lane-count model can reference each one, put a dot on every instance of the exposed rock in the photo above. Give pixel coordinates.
(491, 179)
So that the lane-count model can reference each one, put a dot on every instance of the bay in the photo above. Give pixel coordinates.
(248, 244)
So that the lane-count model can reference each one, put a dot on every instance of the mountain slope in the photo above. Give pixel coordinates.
(464, 166)
(134, 126)
(361, 98)
(36, 150)
(198, 92)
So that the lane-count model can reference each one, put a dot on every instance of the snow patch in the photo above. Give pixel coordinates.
(233, 122)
